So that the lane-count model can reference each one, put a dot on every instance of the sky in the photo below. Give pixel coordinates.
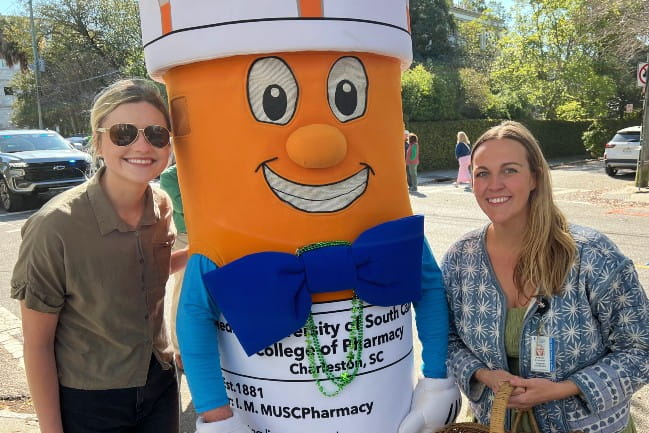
(10, 7)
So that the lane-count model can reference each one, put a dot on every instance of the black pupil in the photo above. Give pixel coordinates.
(274, 102)
(346, 97)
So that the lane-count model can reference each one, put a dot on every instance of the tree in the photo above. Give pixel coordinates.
(430, 93)
(622, 26)
(432, 26)
(478, 40)
(85, 46)
(472, 5)
(10, 48)
(546, 62)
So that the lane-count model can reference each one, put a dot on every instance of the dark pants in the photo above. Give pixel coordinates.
(150, 408)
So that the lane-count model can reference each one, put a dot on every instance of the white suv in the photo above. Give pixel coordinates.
(623, 150)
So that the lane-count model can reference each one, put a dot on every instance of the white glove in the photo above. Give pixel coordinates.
(435, 403)
(234, 424)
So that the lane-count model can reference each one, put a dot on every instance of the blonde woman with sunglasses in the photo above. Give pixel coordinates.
(91, 277)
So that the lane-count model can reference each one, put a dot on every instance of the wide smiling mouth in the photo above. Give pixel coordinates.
(498, 200)
(325, 198)
(140, 161)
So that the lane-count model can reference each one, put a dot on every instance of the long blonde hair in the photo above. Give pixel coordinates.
(463, 138)
(548, 248)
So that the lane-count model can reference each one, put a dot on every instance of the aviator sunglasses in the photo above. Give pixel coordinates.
(123, 134)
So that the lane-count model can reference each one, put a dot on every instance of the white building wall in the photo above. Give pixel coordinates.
(6, 101)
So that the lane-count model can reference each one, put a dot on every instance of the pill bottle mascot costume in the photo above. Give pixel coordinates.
(295, 309)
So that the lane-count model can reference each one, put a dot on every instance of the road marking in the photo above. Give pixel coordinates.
(11, 335)
(642, 266)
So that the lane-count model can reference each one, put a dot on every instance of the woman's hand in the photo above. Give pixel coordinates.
(179, 362)
(537, 391)
(494, 378)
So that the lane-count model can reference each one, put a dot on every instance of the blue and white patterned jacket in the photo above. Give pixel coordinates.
(600, 325)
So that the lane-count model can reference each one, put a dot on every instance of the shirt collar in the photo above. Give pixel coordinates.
(107, 218)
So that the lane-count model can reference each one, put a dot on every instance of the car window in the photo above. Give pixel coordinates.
(26, 142)
(626, 137)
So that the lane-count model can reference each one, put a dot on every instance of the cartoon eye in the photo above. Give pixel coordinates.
(347, 89)
(272, 91)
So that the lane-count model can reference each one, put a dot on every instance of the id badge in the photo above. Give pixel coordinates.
(542, 355)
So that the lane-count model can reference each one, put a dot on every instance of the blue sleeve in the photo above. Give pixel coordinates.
(431, 317)
(197, 337)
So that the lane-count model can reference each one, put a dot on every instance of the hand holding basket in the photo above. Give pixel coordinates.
(497, 422)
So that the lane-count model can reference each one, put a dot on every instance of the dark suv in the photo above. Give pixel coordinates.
(36, 161)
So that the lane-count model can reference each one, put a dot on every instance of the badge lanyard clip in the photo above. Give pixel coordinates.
(542, 348)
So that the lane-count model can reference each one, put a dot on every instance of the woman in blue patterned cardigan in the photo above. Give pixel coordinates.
(553, 308)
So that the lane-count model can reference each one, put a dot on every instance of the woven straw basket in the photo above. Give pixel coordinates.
(497, 424)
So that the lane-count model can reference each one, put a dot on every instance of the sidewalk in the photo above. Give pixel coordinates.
(450, 174)
(11, 422)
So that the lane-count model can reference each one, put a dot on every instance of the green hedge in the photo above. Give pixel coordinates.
(557, 137)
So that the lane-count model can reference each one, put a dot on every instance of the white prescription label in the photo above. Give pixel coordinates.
(274, 390)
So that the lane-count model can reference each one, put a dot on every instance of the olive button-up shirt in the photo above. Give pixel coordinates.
(104, 279)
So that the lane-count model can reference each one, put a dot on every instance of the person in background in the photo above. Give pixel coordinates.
(169, 184)
(406, 134)
(463, 156)
(412, 160)
(91, 275)
(553, 308)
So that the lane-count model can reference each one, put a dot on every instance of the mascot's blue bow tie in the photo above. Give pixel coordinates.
(267, 296)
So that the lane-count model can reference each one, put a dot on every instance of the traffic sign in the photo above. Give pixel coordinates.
(642, 74)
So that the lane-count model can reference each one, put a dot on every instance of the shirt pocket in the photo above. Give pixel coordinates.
(162, 257)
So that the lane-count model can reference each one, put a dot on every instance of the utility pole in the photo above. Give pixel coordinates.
(37, 65)
(642, 170)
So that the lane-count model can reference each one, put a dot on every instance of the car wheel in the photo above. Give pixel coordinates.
(610, 170)
(9, 201)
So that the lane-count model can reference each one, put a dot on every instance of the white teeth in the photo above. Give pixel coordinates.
(498, 199)
(140, 161)
(318, 198)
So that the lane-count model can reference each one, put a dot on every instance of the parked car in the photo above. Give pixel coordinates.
(36, 161)
(80, 142)
(622, 151)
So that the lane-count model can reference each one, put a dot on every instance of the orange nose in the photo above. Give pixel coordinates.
(316, 146)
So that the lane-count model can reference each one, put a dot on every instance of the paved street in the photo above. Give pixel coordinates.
(583, 192)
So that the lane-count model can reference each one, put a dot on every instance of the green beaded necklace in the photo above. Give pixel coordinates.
(313, 349)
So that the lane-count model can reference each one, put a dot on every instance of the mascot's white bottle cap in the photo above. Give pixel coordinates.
(178, 32)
